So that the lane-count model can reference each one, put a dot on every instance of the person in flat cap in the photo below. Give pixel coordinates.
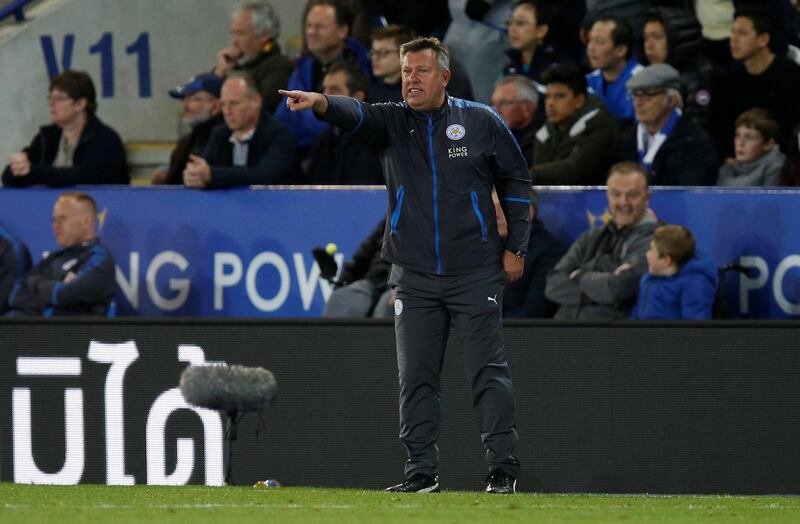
(201, 112)
(673, 150)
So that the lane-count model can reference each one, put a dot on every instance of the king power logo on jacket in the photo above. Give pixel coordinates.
(453, 152)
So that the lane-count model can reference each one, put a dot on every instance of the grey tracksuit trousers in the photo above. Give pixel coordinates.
(425, 306)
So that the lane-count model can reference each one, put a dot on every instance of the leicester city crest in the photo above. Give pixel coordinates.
(455, 132)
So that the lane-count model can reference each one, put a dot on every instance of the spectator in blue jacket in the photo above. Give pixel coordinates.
(327, 25)
(251, 148)
(76, 148)
(678, 284)
(610, 52)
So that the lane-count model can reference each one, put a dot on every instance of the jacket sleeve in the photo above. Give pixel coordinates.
(703, 166)
(94, 282)
(8, 272)
(512, 180)
(534, 303)
(276, 78)
(34, 152)
(636, 312)
(560, 288)
(605, 287)
(595, 148)
(358, 265)
(697, 298)
(274, 166)
(103, 162)
(366, 121)
(303, 124)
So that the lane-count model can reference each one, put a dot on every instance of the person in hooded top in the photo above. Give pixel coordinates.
(678, 283)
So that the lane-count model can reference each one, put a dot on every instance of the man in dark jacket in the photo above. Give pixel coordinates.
(77, 148)
(255, 29)
(78, 279)
(528, 27)
(441, 157)
(525, 298)
(516, 99)
(576, 144)
(201, 110)
(760, 78)
(15, 261)
(337, 158)
(674, 150)
(252, 148)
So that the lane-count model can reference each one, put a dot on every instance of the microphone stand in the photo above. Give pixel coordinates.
(231, 434)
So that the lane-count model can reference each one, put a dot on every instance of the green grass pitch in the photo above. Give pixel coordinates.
(200, 504)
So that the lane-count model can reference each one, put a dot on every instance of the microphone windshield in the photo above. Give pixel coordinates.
(228, 388)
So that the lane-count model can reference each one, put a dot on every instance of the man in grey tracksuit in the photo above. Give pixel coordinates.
(441, 157)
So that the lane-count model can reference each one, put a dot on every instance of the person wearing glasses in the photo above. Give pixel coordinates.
(529, 54)
(385, 56)
(516, 99)
(201, 110)
(76, 148)
(672, 148)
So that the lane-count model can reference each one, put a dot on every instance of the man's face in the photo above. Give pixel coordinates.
(651, 105)
(561, 104)
(655, 42)
(516, 113)
(323, 35)
(385, 58)
(73, 222)
(244, 38)
(423, 81)
(628, 197)
(63, 109)
(602, 52)
(524, 32)
(745, 42)
(239, 107)
(335, 84)
(198, 107)
(750, 145)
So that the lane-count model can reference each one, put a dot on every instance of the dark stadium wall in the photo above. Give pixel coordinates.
(621, 408)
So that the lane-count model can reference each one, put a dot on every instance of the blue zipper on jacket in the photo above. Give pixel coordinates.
(474, 196)
(397, 209)
(435, 196)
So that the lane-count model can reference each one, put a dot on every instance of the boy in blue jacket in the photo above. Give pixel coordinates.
(677, 285)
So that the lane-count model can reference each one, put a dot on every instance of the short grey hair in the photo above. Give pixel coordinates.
(423, 43)
(526, 89)
(263, 17)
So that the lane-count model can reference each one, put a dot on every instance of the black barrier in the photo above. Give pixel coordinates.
(626, 407)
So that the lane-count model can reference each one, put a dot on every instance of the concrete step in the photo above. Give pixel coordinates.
(144, 157)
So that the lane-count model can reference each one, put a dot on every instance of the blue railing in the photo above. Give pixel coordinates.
(15, 8)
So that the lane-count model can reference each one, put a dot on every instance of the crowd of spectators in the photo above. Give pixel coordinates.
(696, 93)
(675, 76)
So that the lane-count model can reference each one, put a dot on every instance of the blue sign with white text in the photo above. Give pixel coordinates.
(247, 252)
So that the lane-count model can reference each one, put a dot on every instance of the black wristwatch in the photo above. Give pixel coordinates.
(519, 253)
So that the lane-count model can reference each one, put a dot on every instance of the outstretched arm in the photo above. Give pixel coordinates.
(301, 100)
